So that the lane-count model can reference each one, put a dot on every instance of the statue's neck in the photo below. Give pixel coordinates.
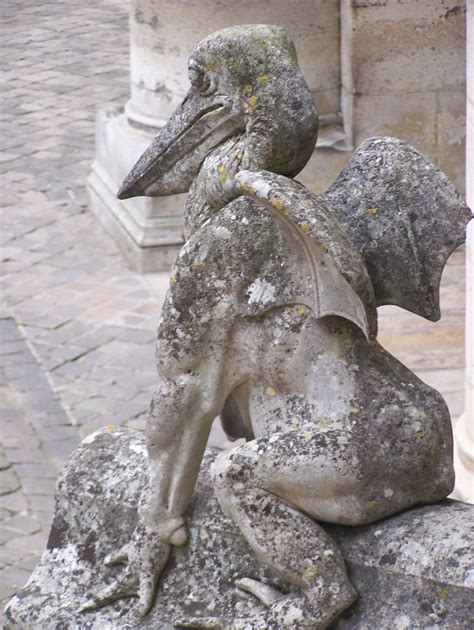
(213, 188)
(265, 145)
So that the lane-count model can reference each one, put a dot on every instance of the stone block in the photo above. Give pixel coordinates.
(23, 524)
(403, 75)
(410, 117)
(8, 481)
(413, 570)
(420, 47)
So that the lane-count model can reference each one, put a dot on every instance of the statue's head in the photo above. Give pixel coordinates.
(245, 81)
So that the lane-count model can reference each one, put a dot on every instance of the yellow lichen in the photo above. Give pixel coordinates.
(324, 425)
(110, 428)
(355, 409)
(264, 79)
(420, 434)
(443, 593)
(372, 503)
(222, 173)
(201, 264)
(174, 279)
(372, 210)
(270, 391)
(245, 188)
(303, 310)
(310, 573)
(305, 227)
(308, 435)
(248, 88)
(252, 102)
(324, 248)
(278, 204)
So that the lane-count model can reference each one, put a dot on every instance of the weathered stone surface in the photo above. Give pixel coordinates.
(414, 570)
(270, 320)
(405, 216)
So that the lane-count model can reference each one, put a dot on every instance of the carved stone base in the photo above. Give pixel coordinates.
(414, 570)
(148, 231)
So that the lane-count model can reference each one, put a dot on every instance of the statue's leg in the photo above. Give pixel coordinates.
(254, 485)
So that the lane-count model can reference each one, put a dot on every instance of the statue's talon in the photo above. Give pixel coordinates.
(117, 557)
(264, 593)
(124, 586)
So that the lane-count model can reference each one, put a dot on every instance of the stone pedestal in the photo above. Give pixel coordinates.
(147, 231)
(414, 570)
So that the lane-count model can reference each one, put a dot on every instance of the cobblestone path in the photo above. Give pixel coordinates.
(77, 326)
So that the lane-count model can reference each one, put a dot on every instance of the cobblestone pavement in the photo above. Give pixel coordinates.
(78, 331)
(78, 326)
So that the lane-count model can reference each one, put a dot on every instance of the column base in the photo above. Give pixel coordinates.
(147, 231)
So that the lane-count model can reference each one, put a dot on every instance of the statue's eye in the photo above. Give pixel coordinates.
(195, 77)
(201, 81)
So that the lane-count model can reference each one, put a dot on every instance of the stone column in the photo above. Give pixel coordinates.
(464, 432)
(162, 34)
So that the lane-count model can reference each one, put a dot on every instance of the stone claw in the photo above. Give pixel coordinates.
(124, 586)
(117, 557)
(263, 592)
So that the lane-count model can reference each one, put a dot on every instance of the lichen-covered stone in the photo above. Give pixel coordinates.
(406, 218)
(270, 320)
(414, 570)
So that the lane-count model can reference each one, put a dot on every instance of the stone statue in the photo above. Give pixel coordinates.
(270, 321)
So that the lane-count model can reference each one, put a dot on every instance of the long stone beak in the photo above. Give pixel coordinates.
(174, 158)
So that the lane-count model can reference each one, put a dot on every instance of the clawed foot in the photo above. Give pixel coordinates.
(264, 593)
(291, 611)
(125, 585)
(144, 558)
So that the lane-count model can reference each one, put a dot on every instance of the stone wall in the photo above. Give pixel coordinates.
(403, 75)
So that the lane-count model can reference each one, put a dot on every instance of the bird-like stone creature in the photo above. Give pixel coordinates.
(270, 321)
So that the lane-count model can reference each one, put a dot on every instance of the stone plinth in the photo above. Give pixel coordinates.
(414, 570)
(148, 232)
